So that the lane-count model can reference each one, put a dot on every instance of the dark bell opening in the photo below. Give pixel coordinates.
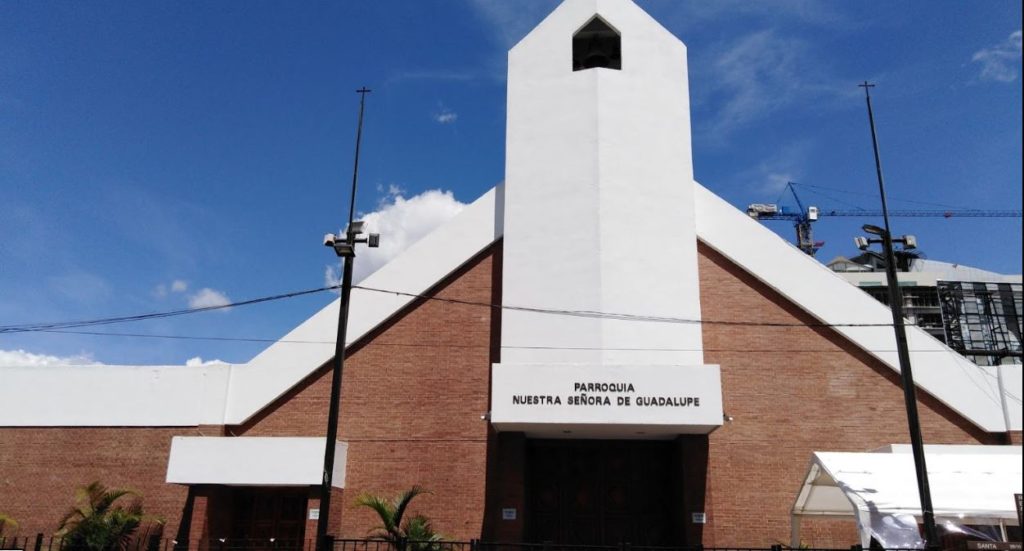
(596, 45)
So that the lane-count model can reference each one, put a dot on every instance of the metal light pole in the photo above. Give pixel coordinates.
(344, 246)
(896, 305)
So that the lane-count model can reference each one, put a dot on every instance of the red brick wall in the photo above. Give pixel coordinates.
(413, 395)
(414, 392)
(792, 391)
(40, 468)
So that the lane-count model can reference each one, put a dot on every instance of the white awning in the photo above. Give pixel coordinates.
(253, 461)
(879, 490)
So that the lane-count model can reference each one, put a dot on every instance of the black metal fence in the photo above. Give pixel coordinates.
(478, 545)
(39, 542)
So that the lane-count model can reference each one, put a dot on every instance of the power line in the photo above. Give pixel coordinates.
(30, 327)
(874, 196)
(617, 316)
(53, 326)
(44, 326)
(471, 346)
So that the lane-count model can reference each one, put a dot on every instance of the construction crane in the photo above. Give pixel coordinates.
(804, 217)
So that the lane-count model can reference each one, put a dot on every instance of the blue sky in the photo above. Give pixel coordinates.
(157, 155)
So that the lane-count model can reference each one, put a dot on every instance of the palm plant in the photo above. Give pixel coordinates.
(7, 524)
(97, 522)
(415, 534)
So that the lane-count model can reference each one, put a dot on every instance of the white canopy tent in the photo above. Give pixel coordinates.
(969, 485)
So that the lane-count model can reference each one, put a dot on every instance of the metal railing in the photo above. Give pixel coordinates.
(40, 542)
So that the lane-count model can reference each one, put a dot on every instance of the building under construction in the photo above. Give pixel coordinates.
(975, 312)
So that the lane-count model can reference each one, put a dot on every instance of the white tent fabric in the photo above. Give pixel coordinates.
(879, 490)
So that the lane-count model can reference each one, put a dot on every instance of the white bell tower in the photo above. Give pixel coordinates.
(599, 235)
(598, 193)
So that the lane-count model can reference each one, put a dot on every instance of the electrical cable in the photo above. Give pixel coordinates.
(33, 327)
(481, 346)
(30, 327)
(616, 316)
(875, 196)
(63, 327)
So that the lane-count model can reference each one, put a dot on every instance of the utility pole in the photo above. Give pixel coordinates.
(896, 305)
(344, 246)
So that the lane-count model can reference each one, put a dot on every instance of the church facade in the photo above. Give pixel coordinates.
(600, 350)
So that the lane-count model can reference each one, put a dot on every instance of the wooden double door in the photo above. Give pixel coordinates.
(259, 514)
(602, 492)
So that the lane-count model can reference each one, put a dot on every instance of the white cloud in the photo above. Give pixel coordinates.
(756, 76)
(769, 177)
(510, 21)
(332, 278)
(400, 222)
(1000, 62)
(176, 286)
(811, 12)
(441, 75)
(81, 286)
(199, 362)
(22, 358)
(206, 297)
(387, 195)
(446, 116)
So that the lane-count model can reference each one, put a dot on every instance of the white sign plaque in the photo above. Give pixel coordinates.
(610, 401)
(314, 514)
(699, 518)
(508, 513)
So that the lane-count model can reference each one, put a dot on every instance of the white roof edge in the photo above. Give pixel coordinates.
(196, 395)
(252, 461)
(214, 394)
(283, 364)
(132, 396)
(970, 390)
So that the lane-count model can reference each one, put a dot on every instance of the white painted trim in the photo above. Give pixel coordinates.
(544, 400)
(282, 365)
(252, 461)
(184, 396)
(163, 396)
(969, 389)
(113, 395)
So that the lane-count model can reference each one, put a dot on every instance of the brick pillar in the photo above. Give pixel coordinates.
(312, 503)
(338, 506)
(198, 532)
(506, 488)
(693, 459)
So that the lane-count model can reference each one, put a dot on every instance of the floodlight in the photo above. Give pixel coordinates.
(373, 240)
(355, 228)
(861, 242)
(909, 242)
(873, 230)
(344, 249)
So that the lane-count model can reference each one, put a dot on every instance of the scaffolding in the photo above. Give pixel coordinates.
(982, 320)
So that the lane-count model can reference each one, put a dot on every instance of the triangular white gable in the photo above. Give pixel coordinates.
(42, 400)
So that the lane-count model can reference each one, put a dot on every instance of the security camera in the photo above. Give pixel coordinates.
(329, 239)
